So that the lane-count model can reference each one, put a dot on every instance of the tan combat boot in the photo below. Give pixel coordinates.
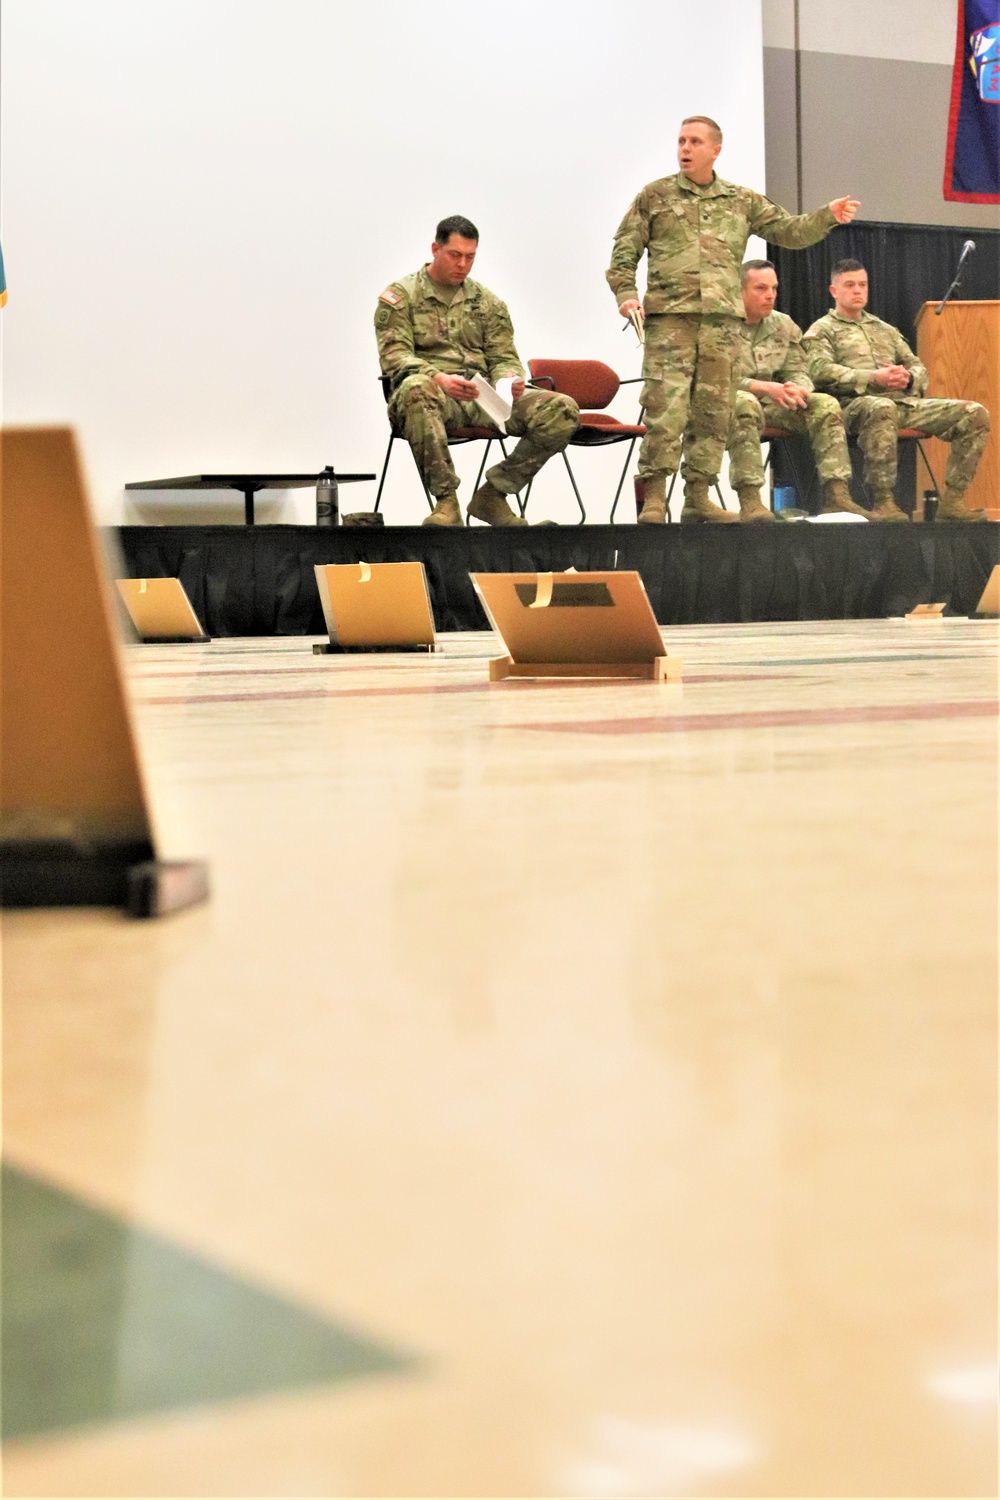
(752, 507)
(884, 507)
(698, 507)
(488, 504)
(954, 508)
(652, 492)
(445, 512)
(836, 496)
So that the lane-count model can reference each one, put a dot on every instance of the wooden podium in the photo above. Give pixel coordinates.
(961, 350)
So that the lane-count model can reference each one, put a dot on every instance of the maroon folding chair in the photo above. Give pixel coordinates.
(593, 386)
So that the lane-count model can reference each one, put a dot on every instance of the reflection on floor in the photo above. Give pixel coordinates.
(577, 1089)
(102, 1322)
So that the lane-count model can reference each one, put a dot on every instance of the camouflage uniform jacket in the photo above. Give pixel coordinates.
(844, 355)
(695, 238)
(420, 334)
(772, 350)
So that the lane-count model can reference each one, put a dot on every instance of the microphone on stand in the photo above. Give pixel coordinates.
(967, 249)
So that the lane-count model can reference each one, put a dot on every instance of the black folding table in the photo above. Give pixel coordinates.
(248, 484)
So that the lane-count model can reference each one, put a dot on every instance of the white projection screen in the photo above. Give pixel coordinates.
(202, 200)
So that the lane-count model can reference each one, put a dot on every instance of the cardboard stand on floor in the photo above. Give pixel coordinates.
(75, 826)
(989, 603)
(375, 607)
(926, 612)
(574, 625)
(160, 611)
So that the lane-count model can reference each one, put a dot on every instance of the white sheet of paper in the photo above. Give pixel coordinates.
(837, 518)
(492, 403)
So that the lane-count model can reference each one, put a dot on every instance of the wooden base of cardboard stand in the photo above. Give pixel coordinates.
(330, 648)
(926, 612)
(161, 886)
(174, 640)
(57, 872)
(660, 669)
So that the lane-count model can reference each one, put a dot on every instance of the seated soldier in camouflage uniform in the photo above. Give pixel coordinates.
(693, 228)
(776, 391)
(436, 327)
(880, 383)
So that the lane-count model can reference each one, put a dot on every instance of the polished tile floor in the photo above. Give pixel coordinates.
(578, 1089)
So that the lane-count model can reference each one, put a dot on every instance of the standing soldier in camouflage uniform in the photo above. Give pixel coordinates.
(776, 391)
(434, 329)
(881, 383)
(694, 228)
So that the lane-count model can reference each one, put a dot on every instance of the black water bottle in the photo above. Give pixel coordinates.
(930, 505)
(327, 498)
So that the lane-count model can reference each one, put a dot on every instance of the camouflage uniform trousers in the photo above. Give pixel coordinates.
(691, 373)
(875, 420)
(821, 421)
(543, 421)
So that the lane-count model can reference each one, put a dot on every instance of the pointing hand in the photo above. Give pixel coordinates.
(844, 209)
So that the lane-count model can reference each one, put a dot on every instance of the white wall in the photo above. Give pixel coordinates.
(202, 200)
(903, 30)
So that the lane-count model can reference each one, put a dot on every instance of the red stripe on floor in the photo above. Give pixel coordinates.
(443, 687)
(300, 694)
(780, 718)
(206, 673)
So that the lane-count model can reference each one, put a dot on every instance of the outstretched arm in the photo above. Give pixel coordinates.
(796, 231)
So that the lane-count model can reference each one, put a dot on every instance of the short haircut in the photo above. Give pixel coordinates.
(754, 265)
(841, 266)
(455, 224)
(704, 120)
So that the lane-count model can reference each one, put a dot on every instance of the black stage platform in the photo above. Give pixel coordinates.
(260, 581)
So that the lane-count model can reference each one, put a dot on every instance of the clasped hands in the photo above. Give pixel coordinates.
(892, 377)
(784, 393)
(460, 389)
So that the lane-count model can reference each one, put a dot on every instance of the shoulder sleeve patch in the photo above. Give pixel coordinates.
(389, 296)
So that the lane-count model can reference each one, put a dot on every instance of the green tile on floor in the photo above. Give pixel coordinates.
(102, 1322)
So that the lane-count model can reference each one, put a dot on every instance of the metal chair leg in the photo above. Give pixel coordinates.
(482, 466)
(569, 471)
(628, 460)
(385, 469)
(427, 494)
(670, 492)
(769, 477)
(927, 466)
(804, 491)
